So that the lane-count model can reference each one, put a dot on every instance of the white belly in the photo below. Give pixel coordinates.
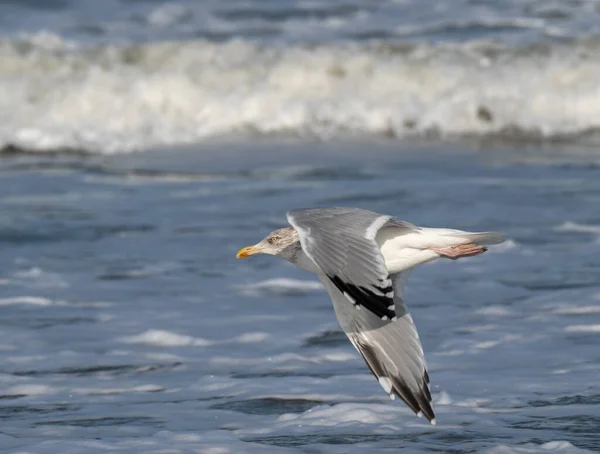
(397, 260)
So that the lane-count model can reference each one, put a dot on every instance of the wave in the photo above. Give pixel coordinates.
(57, 95)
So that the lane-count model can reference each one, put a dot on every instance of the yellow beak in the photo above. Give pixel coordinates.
(248, 251)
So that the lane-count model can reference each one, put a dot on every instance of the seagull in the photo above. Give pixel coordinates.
(363, 259)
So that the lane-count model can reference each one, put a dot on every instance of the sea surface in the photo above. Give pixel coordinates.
(129, 326)
(142, 143)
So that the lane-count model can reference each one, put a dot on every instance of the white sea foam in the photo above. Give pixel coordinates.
(284, 358)
(443, 399)
(582, 329)
(508, 245)
(280, 286)
(161, 356)
(251, 338)
(576, 227)
(162, 338)
(344, 413)
(29, 390)
(577, 310)
(31, 300)
(111, 391)
(36, 277)
(552, 446)
(495, 311)
(486, 344)
(55, 94)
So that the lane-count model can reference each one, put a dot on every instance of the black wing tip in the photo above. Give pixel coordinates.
(378, 305)
(427, 411)
(432, 419)
(419, 402)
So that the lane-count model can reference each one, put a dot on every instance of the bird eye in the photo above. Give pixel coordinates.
(273, 239)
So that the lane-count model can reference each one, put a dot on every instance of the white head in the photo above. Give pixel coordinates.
(283, 242)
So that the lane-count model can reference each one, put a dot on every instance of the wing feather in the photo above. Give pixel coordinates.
(391, 349)
(341, 241)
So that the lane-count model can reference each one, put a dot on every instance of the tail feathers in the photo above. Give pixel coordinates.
(482, 237)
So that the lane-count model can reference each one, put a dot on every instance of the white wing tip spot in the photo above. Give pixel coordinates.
(419, 414)
(385, 317)
(386, 384)
(394, 318)
(433, 423)
(392, 307)
(392, 396)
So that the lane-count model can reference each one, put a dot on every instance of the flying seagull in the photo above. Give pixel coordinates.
(363, 260)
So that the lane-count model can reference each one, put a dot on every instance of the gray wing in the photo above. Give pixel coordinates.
(341, 241)
(391, 349)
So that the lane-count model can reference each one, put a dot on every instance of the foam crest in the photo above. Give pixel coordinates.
(27, 300)
(343, 413)
(58, 95)
(162, 338)
(551, 446)
(577, 310)
(582, 329)
(279, 287)
(29, 390)
(570, 226)
(112, 391)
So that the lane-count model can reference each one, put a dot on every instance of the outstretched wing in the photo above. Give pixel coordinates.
(391, 349)
(341, 241)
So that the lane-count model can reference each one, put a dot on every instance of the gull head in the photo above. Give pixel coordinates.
(282, 242)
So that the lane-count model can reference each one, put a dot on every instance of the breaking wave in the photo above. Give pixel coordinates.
(57, 95)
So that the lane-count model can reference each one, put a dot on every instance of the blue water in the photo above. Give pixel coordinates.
(142, 143)
(512, 21)
(128, 324)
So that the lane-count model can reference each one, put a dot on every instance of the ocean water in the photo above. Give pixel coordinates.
(142, 143)
(129, 326)
(116, 76)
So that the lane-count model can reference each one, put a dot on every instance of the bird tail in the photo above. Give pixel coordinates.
(483, 237)
(479, 238)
